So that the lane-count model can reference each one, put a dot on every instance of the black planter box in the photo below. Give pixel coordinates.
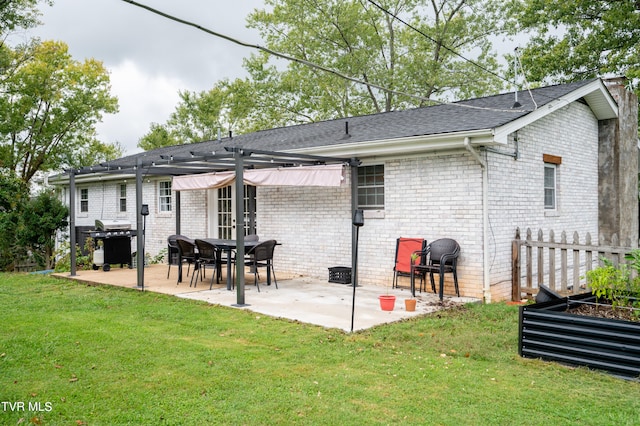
(548, 332)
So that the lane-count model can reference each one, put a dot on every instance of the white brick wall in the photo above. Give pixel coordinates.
(429, 196)
(516, 186)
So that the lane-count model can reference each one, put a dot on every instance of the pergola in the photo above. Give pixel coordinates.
(233, 162)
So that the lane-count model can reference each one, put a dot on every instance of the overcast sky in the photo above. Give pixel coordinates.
(150, 57)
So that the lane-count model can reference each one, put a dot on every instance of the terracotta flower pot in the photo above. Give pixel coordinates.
(387, 302)
(410, 305)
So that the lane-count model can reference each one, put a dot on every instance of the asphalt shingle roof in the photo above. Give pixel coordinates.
(468, 115)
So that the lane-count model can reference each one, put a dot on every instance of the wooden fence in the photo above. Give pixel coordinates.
(558, 265)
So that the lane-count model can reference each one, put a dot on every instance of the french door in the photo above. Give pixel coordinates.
(222, 211)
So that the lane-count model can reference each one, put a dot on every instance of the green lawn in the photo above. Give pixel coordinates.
(78, 355)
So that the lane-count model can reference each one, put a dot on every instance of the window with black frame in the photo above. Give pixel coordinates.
(84, 200)
(371, 187)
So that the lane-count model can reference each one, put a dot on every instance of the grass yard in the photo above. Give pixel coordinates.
(77, 355)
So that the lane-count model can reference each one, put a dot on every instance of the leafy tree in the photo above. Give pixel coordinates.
(358, 39)
(51, 104)
(158, 136)
(200, 116)
(18, 14)
(425, 56)
(579, 39)
(14, 195)
(43, 217)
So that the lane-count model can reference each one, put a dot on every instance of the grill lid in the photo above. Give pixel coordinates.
(112, 225)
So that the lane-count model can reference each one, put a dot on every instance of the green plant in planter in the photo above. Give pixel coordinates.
(618, 284)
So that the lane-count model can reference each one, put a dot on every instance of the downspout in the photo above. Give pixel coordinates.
(486, 288)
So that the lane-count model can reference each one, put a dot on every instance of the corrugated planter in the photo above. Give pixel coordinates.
(548, 330)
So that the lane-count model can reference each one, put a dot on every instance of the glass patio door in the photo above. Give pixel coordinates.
(222, 211)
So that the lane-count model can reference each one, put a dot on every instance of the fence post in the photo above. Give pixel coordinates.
(552, 261)
(563, 262)
(529, 260)
(576, 264)
(540, 260)
(515, 267)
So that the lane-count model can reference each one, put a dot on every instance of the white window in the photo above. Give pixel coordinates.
(371, 187)
(84, 200)
(164, 196)
(550, 188)
(122, 197)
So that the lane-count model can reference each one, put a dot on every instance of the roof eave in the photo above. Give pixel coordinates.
(404, 146)
(595, 94)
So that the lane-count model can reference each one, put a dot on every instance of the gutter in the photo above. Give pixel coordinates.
(397, 147)
(486, 287)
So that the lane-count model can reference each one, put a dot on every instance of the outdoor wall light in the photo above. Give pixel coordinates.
(358, 217)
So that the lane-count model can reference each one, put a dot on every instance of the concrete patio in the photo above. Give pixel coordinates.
(297, 298)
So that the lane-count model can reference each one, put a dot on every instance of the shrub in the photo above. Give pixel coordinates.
(618, 284)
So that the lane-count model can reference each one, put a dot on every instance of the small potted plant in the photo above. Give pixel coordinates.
(410, 303)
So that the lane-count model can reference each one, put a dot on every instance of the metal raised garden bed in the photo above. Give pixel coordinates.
(548, 330)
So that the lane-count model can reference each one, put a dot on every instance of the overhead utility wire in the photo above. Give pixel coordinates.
(396, 17)
(524, 76)
(302, 61)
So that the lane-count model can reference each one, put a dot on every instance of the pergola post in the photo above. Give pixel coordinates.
(72, 220)
(238, 154)
(178, 214)
(139, 226)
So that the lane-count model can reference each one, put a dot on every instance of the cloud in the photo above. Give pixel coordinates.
(143, 99)
(150, 57)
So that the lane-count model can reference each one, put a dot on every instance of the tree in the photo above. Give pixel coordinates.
(42, 218)
(200, 116)
(157, 137)
(579, 39)
(424, 58)
(14, 195)
(356, 38)
(51, 104)
(18, 14)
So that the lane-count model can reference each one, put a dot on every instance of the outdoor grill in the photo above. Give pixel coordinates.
(116, 243)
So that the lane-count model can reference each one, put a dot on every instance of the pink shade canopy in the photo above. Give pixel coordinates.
(324, 175)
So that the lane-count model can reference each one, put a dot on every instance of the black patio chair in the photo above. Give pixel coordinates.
(208, 254)
(441, 257)
(261, 256)
(186, 253)
(173, 252)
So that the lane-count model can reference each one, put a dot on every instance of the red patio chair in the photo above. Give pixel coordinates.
(404, 248)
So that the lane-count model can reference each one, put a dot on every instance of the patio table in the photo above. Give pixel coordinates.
(229, 246)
